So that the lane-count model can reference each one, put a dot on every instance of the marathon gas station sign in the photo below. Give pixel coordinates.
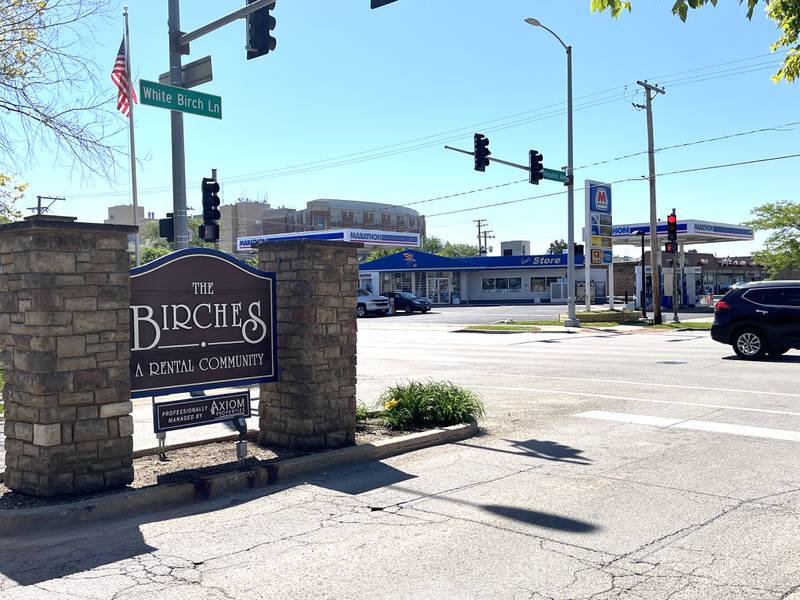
(368, 237)
(200, 319)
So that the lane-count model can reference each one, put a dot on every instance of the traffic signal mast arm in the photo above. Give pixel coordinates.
(499, 160)
(241, 13)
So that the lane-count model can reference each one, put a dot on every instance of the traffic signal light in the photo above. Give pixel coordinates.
(166, 228)
(672, 227)
(481, 152)
(578, 249)
(535, 167)
(671, 247)
(260, 24)
(209, 230)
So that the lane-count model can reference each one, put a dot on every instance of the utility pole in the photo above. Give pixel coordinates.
(656, 276)
(40, 210)
(480, 223)
(486, 238)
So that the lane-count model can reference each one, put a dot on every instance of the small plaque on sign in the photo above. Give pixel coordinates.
(193, 412)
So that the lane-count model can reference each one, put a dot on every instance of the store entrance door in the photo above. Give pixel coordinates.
(439, 290)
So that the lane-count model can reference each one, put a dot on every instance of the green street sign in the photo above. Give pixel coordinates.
(175, 98)
(555, 175)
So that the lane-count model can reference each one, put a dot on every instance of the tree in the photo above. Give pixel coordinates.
(50, 97)
(781, 251)
(785, 14)
(430, 245)
(10, 192)
(154, 246)
(557, 247)
(459, 250)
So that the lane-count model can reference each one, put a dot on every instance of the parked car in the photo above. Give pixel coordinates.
(759, 318)
(409, 302)
(371, 303)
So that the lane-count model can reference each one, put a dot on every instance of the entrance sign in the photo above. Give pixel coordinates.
(200, 319)
(192, 412)
(175, 98)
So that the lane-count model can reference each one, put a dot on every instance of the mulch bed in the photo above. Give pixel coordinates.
(187, 464)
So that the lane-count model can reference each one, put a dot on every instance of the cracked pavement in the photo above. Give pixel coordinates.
(545, 505)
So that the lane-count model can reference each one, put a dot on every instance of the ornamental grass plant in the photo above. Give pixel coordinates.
(429, 404)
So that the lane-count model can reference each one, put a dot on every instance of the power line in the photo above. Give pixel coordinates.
(641, 178)
(694, 143)
(361, 156)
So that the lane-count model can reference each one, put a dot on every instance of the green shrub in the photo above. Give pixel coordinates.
(361, 412)
(433, 403)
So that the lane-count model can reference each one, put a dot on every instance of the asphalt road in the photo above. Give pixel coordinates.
(475, 315)
(644, 465)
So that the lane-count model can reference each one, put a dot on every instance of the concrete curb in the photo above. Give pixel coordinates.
(20, 522)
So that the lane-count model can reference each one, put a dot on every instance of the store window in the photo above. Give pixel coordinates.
(501, 285)
(541, 285)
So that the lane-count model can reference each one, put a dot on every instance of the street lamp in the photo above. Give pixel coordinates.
(644, 280)
(572, 319)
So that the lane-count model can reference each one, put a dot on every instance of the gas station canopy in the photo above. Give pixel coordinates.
(689, 232)
(368, 237)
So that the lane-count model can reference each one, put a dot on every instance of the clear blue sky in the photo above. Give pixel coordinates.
(416, 74)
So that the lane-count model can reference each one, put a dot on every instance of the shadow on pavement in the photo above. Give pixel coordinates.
(540, 519)
(31, 564)
(790, 359)
(543, 449)
(364, 478)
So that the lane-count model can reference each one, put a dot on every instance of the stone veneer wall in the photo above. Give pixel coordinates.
(313, 403)
(64, 294)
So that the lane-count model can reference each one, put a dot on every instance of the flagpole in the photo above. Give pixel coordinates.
(131, 138)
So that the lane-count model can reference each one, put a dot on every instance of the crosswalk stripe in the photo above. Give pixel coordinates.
(709, 426)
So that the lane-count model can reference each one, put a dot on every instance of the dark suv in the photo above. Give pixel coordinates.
(759, 318)
(408, 302)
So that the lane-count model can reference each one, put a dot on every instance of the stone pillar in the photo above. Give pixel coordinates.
(313, 404)
(64, 293)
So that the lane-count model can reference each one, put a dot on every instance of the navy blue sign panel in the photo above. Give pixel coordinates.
(600, 198)
(193, 412)
(200, 319)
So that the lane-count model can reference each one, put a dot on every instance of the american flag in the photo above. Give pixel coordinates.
(119, 75)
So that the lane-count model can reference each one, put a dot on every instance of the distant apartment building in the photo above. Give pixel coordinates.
(247, 218)
(122, 214)
(244, 218)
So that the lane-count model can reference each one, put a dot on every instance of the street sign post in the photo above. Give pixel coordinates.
(555, 175)
(179, 99)
(193, 74)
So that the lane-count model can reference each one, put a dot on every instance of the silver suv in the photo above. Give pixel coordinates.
(371, 303)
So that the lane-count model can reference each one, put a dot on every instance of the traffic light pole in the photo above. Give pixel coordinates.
(179, 212)
(179, 45)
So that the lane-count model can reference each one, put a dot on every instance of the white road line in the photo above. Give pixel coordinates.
(666, 385)
(711, 426)
(629, 418)
(637, 383)
(631, 399)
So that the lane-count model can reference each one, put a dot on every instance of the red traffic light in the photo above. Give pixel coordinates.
(672, 220)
